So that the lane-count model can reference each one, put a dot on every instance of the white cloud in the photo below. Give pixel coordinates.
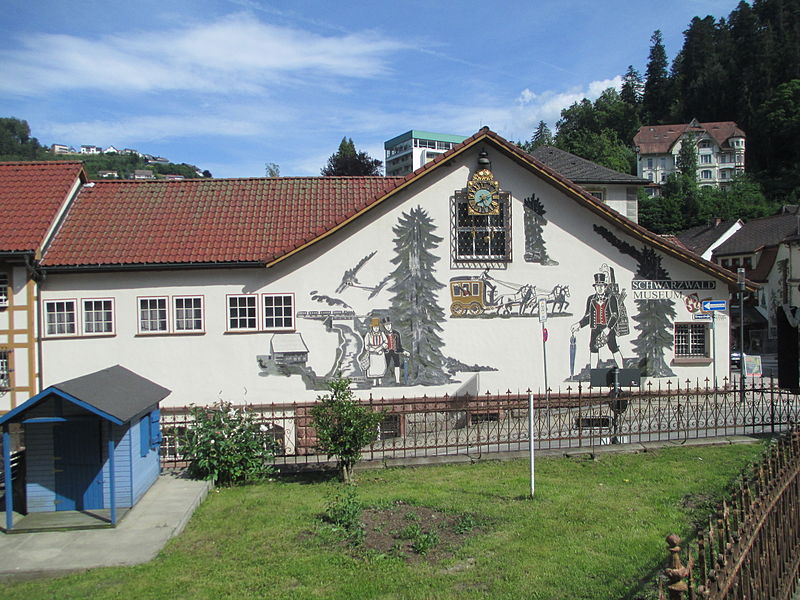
(237, 53)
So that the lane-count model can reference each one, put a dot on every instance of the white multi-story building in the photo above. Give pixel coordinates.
(720, 151)
(409, 151)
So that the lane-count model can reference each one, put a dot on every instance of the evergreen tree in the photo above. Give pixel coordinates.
(415, 311)
(348, 161)
(541, 137)
(654, 318)
(656, 99)
(632, 87)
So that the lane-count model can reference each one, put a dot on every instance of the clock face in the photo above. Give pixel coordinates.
(483, 198)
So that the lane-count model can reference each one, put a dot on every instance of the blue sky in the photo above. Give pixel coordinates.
(229, 85)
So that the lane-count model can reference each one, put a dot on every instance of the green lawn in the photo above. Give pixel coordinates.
(595, 529)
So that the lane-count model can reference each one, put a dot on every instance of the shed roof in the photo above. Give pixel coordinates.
(115, 394)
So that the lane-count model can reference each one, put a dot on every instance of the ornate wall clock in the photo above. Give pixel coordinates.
(483, 194)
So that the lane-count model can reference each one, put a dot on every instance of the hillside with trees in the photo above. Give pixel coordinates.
(16, 144)
(743, 68)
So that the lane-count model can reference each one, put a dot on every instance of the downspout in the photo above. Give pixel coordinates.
(38, 275)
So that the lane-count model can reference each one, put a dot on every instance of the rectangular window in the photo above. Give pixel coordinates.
(242, 313)
(705, 174)
(153, 315)
(691, 340)
(278, 311)
(3, 289)
(188, 315)
(98, 317)
(705, 159)
(482, 237)
(5, 370)
(60, 317)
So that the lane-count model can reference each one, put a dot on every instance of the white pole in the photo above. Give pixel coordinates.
(530, 437)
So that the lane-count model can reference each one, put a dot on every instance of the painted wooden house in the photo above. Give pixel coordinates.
(92, 444)
(260, 290)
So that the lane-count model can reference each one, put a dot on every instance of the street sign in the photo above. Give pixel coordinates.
(715, 305)
(542, 310)
(702, 317)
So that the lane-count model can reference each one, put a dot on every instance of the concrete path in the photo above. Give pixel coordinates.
(160, 515)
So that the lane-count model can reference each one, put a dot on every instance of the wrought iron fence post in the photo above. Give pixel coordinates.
(677, 572)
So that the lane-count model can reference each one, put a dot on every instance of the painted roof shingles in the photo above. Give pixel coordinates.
(206, 221)
(31, 194)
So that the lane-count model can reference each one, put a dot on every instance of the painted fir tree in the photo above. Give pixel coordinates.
(534, 220)
(415, 310)
(654, 318)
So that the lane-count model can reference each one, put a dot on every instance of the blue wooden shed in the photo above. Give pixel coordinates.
(91, 444)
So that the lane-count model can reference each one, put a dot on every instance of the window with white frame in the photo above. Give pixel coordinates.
(98, 316)
(242, 313)
(705, 159)
(188, 313)
(5, 370)
(3, 289)
(153, 315)
(60, 317)
(691, 340)
(705, 174)
(278, 311)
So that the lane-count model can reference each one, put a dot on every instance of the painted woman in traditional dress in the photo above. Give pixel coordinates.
(375, 345)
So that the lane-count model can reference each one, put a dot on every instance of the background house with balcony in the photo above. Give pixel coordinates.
(720, 151)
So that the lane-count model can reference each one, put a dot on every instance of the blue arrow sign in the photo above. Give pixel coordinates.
(709, 305)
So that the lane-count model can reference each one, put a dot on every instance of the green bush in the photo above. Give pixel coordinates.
(344, 426)
(226, 445)
(344, 510)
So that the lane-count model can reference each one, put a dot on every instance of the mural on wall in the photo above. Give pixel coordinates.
(486, 296)
(606, 317)
(414, 305)
(349, 279)
(534, 221)
(398, 345)
(655, 316)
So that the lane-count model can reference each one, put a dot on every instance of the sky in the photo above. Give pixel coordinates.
(230, 85)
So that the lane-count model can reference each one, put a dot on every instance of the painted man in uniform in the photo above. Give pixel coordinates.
(602, 313)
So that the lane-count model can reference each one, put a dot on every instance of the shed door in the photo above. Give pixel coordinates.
(78, 465)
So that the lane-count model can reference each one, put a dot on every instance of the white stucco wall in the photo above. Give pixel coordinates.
(202, 368)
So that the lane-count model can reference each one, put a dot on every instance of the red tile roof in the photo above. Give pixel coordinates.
(659, 139)
(268, 220)
(206, 220)
(31, 194)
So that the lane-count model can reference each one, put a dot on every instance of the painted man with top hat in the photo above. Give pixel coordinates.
(602, 316)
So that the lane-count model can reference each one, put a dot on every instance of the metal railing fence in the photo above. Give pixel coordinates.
(579, 417)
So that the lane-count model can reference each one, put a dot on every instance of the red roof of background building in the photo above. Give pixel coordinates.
(206, 220)
(31, 194)
(659, 139)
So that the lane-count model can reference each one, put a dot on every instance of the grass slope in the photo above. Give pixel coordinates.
(595, 530)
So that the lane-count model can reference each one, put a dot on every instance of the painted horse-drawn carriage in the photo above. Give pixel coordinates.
(474, 295)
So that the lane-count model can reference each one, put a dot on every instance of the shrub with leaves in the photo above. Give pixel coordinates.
(344, 426)
(226, 445)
